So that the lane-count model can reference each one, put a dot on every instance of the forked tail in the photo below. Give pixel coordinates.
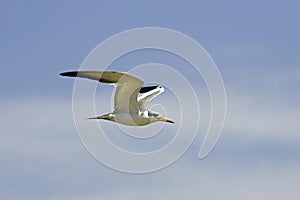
(106, 117)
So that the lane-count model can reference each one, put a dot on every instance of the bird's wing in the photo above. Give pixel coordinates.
(147, 89)
(146, 97)
(127, 87)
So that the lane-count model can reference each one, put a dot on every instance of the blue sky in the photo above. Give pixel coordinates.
(256, 46)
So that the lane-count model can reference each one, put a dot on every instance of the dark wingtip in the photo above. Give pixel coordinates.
(71, 74)
(147, 88)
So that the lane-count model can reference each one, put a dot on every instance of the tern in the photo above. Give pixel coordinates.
(131, 99)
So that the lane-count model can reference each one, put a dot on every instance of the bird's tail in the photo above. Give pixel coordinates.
(106, 117)
(98, 117)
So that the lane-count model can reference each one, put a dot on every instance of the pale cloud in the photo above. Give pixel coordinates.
(262, 117)
(40, 148)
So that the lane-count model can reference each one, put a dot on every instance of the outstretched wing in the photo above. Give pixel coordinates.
(127, 87)
(145, 98)
(147, 89)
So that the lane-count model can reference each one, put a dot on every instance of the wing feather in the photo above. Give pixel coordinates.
(146, 97)
(127, 87)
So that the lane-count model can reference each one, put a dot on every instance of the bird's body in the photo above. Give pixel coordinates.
(130, 108)
(126, 119)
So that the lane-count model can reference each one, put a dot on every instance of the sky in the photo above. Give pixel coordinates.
(256, 47)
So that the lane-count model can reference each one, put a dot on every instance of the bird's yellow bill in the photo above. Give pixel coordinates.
(166, 120)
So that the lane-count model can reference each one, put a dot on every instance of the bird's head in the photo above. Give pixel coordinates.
(155, 117)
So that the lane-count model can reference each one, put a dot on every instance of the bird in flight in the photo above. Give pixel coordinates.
(131, 99)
